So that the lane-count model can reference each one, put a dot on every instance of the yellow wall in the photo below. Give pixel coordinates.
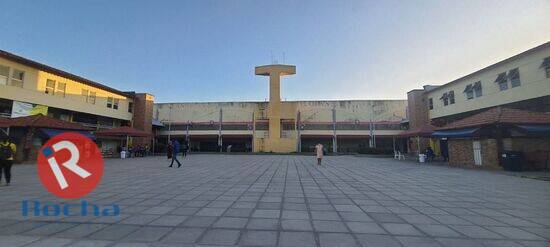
(533, 84)
(34, 87)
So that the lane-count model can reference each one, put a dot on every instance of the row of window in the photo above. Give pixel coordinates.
(512, 76)
(16, 79)
(475, 90)
(89, 96)
(51, 88)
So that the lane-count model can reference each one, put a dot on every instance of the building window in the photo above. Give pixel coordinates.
(61, 88)
(431, 103)
(451, 95)
(4, 75)
(477, 89)
(514, 77)
(17, 78)
(50, 87)
(445, 99)
(109, 102)
(91, 98)
(130, 107)
(469, 91)
(115, 104)
(546, 65)
(85, 94)
(502, 81)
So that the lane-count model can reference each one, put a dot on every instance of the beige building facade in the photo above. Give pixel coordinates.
(519, 78)
(282, 126)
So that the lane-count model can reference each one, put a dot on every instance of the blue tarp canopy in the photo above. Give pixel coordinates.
(535, 128)
(455, 133)
(54, 132)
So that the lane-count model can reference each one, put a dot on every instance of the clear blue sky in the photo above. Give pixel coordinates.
(201, 50)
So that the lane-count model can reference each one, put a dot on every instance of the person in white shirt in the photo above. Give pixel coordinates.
(319, 152)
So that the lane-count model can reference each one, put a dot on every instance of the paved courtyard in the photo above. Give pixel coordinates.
(262, 200)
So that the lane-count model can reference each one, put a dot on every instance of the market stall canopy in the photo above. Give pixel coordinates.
(424, 130)
(41, 121)
(122, 131)
(53, 132)
(458, 133)
(499, 115)
(535, 129)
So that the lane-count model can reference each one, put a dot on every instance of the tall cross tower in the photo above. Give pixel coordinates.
(275, 72)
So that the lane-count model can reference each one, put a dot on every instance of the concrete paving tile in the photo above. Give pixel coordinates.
(114, 232)
(296, 225)
(263, 224)
(90, 243)
(401, 229)
(80, 231)
(266, 213)
(368, 240)
(220, 237)
(337, 239)
(365, 227)
(148, 234)
(183, 235)
(476, 232)
(259, 238)
(296, 239)
(329, 226)
(230, 222)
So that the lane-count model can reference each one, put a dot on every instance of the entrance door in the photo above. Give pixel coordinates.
(477, 152)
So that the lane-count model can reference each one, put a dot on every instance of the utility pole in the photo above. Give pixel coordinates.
(372, 128)
(253, 130)
(169, 123)
(187, 132)
(299, 133)
(334, 139)
(220, 141)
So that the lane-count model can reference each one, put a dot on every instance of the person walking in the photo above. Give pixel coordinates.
(319, 153)
(169, 151)
(184, 149)
(7, 154)
(176, 149)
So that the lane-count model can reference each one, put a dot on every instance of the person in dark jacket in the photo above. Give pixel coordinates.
(169, 151)
(176, 150)
(7, 155)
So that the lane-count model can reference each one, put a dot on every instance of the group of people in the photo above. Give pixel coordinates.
(136, 151)
(173, 149)
(7, 155)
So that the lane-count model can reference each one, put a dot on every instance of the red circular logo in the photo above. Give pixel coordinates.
(70, 165)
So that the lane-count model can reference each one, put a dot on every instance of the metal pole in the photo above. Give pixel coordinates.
(374, 134)
(418, 146)
(187, 132)
(253, 130)
(393, 141)
(169, 123)
(220, 141)
(334, 140)
(299, 132)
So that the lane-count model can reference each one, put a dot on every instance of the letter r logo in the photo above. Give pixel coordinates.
(64, 171)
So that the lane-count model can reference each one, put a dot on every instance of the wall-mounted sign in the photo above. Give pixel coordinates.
(23, 109)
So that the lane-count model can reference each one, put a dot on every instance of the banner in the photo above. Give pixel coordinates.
(23, 109)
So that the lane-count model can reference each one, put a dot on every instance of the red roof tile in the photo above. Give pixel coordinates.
(500, 115)
(41, 121)
(424, 130)
(4, 122)
(122, 131)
